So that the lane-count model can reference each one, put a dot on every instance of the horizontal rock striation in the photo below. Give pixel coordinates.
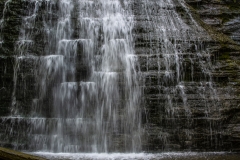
(223, 17)
(188, 56)
(202, 122)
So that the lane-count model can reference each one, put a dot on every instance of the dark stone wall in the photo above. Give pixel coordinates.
(6, 85)
(16, 72)
(222, 15)
(221, 18)
(219, 131)
(10, 25)
(9, 32)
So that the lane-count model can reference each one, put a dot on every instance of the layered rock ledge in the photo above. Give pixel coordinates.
(8, 154)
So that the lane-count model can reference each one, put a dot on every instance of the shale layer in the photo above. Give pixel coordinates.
(199, 110)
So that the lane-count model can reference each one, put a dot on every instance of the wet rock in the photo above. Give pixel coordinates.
(178, 126)
(14, 155)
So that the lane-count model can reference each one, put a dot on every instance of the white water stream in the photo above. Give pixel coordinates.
(89, 80)
(98, 113)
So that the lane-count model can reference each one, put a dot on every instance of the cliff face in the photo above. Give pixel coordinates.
(223, 17)
(190, 101)
(10, 34)
(218, 129)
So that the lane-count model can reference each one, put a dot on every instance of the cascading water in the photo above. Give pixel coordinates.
(90, 91)
(95, 112)
(177, 71)
(113, 84)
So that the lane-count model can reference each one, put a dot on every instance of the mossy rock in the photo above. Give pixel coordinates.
(8, 154)
(224, 40)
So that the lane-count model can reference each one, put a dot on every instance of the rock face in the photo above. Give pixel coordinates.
(14, 155)
(188, 55)
(223, 17)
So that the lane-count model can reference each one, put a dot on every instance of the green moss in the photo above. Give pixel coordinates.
(221, 38)
(235, 6)
(225, 17)
(9, 154)
(224, 56)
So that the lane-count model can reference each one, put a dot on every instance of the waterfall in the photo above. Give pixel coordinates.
(108, 76)
(112, 86)
(177, 70)
(98, 111)
(2, 20)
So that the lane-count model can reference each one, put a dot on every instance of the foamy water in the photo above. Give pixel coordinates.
(136, 156)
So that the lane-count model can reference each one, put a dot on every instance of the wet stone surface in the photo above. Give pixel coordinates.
(188, 74)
